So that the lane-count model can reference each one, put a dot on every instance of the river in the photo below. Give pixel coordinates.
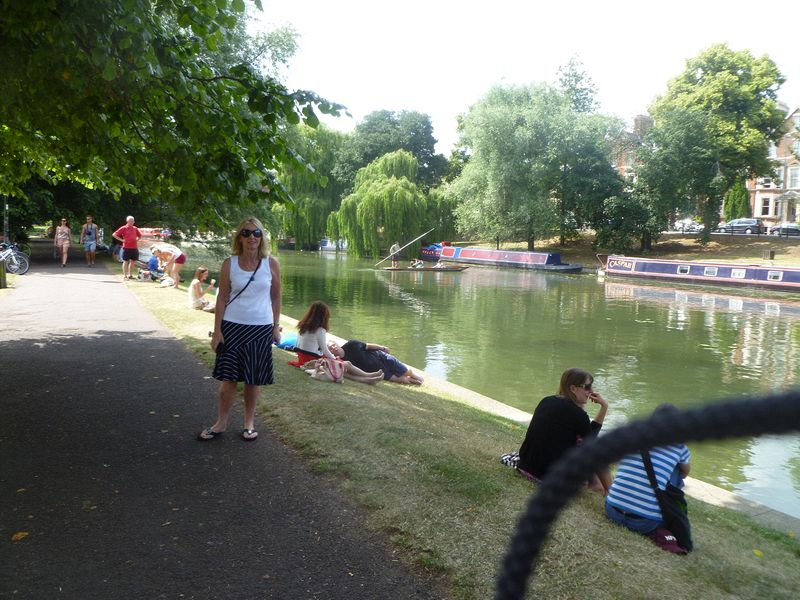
(508, 334)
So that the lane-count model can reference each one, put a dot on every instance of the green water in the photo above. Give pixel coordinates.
(509, 334)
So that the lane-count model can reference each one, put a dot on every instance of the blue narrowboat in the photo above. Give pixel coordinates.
(703, 273)
(541, 261)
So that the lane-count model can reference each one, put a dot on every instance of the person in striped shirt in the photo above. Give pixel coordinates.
(631, 500)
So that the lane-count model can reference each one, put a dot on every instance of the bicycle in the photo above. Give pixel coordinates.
(17, 262)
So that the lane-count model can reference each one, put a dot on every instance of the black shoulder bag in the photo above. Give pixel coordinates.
(674, 509)
(221, 346)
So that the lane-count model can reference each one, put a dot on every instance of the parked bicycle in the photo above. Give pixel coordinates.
(16, 261)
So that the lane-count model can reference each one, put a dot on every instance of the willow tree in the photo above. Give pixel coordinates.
(315, 192)
(386, 205)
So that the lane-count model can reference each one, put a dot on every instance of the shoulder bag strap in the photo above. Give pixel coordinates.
(249, 281)
(648, 466)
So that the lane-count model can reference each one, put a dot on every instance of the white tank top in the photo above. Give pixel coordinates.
(254, 305)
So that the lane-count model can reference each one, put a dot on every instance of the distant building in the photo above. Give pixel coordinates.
(775, 199)
(627, 148)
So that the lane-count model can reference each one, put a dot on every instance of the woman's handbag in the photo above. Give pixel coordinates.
(674, 509)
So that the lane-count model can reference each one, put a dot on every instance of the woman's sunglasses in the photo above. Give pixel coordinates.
(586, 386)
(246, 233)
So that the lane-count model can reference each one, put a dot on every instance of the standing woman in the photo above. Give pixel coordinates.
(245, 324)
(559, 423)
(61, 241)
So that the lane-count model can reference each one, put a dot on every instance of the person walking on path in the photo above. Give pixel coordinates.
(393, 252)
(129, 235)
(89, 239)
(61, 241)
(245, 325)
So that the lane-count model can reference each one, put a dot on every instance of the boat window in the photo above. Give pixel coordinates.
(738, 273)
(683, 269)
(710, 271)
(774, 275)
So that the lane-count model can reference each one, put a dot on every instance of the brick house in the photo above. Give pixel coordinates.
(775, 199)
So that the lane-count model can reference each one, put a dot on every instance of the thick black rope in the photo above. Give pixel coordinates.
(737, 418)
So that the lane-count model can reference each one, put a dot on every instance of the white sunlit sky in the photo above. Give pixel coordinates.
(441, 56)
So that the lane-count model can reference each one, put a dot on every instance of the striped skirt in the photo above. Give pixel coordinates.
(247, 356)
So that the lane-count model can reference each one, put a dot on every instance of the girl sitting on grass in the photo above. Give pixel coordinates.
(312, 345)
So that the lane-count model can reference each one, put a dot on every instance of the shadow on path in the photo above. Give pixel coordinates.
(100, 467)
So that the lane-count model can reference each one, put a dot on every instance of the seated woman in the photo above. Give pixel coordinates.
(559, 423)
(631, 500)
(312, 332)
(197, 299)
(312, 345)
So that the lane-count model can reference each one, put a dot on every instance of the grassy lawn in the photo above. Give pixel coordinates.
(425, 473)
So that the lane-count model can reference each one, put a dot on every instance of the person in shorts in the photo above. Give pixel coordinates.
(172, 258)
(89, 239)
(374, 357)
(129, 235)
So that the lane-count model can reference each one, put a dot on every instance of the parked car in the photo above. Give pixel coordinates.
(743, 226)
(786, 229)
(689, 226)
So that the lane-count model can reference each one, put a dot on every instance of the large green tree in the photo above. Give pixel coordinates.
(132, 95)
(734, 95)
(386, 205)
(315, 193)
(384, 131)
(537, 166)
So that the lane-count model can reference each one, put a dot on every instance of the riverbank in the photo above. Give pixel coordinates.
(426, 472)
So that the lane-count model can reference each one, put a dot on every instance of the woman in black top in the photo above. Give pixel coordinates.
(559, 423)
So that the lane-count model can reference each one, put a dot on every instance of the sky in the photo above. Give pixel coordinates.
(439, 57)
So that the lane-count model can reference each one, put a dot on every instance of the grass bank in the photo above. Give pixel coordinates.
(425, 472)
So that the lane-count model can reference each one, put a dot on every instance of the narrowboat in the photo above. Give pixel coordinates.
(769, 277)
(540, 261)
(430, 253)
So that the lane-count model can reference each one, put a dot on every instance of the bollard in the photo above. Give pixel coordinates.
(3, 284)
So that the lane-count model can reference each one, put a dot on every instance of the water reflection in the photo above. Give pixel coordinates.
(509, 335)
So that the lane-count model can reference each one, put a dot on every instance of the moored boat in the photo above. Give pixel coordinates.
(703, 272)
(541, 261)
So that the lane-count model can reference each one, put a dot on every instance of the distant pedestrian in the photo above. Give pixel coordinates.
(89, 238)
(61, 241)
(393, 252)
(245, 325)
(129, 235)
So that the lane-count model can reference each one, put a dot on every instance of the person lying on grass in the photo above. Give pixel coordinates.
(374, 357)
(337, 370)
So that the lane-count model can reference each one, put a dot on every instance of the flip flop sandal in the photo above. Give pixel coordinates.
(208, 434)
(249, 435)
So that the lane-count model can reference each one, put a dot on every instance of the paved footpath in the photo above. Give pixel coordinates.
(99, 466)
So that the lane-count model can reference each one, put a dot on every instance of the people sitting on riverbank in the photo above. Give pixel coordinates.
(632, 502)
(197, 293)
(312, 332)
(559, 423)
(375, 357)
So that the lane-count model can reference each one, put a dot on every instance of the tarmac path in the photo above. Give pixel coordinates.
(100, 467)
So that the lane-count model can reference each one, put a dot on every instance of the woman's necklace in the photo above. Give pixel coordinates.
(248, 263)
